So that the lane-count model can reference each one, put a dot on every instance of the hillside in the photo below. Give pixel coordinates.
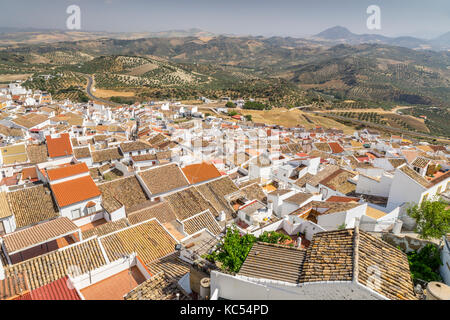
(342, 35)
(373, 72)
(289, 71)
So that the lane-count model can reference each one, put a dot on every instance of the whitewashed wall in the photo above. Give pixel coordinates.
(244, 288)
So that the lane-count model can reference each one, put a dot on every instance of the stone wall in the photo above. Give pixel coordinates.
(406, 243)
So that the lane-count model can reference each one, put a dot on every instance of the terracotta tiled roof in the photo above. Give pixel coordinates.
(67, 171)
(149, 240)
(32, 205)
(342, 199)
(301, 182)
(321, 175)
(204, 220)
(59, 147)
(189, 202)
(161, 211)
(332, 207)
(29, 173)
(38, 234)
(275, 262)
(215, 192)
(37, 153)
(254, 191)
(420, 162)
(134, 146)
(335, 147)
(338, 181)
(106, 155)
(5, 210)
(80, 257)
(329, 257)
(158, 287)
(396, 162)
(56, 290)
(414, 175)
(124, 191)
(30, 120)
(291, 148)
(12, 287)
(163, 178)
(144, 157)
(196, 173)
(10, 132)
(345, 255)
(395, 276)
(82, 152)
(299, 198)
(106, 228)
(322, 146)
(172, 265)
(75, 190)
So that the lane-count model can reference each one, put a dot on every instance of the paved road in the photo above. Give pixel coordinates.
(379, 126)
(91, 96)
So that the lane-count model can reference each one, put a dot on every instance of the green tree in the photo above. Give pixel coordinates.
(432, 218)
(232, 113)
(248, 117)
(234, 248)
(230, 104)
(273, 237)
(424, 264)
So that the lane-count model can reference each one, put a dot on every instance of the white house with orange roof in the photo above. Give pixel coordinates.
(75, 193)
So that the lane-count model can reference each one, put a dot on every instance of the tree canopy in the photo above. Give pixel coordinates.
(424, 264)
(234, 248)
(432, 218)
(230, 104)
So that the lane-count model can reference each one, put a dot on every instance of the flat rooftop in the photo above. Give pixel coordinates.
(114, 287)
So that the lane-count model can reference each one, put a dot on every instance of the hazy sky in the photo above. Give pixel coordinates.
(424, 18)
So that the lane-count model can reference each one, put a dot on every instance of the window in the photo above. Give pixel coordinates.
(425, 197)
(439, 190)
(2, 228)
(247, 217)
(76, 214)
(91, 210)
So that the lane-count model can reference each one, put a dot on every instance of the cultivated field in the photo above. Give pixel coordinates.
(14, 77)
(294, 117)
(103, 93)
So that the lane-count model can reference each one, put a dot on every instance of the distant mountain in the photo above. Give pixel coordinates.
(340, 34)
(25, 36)
(336, 33)
(443, 41)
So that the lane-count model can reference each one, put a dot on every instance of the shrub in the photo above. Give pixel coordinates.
(234, 248)
(424, 264)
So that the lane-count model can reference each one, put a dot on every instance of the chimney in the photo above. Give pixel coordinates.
(397, 227)
(357, 221)
(222, 216)
(270, 206)
(299, 242)
(205, 288)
